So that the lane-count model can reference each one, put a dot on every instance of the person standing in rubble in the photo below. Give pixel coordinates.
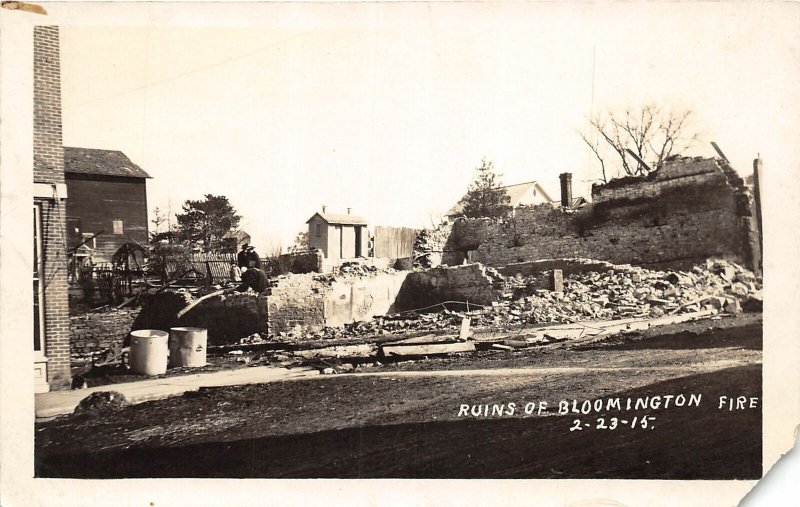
(252, 278)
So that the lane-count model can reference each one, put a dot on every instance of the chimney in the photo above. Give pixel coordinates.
(348, 210)
(324, 208)
(566, 189)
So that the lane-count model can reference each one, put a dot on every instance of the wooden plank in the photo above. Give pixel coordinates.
(428, 338)
(501, 347)
(427, 349)
(363, 350)
(195, 303)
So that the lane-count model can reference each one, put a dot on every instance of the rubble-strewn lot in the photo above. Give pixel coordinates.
(521, 304)
(623, 292)
(406, 424)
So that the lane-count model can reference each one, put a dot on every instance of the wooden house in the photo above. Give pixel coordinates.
(108, 202)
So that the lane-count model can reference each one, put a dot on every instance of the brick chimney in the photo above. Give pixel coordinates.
(324, 208)
(566, 189)
(348, 210)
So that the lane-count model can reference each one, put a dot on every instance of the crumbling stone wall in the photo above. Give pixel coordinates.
(301, 262)
(472, 283)
(683, 213)
(297, 301)
(227, 318)
(311, 302)
(96, 331)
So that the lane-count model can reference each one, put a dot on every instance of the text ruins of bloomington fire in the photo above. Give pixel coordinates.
(598, 405)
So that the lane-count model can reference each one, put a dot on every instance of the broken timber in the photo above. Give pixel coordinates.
(363, 350)
(427, 349)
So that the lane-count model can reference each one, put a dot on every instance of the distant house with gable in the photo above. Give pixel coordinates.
(108, 202)
(521, 194)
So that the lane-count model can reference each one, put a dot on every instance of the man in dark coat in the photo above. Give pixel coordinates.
(241, 257)
(253, 278)
(253, 260)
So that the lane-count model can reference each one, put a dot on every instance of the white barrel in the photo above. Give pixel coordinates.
(187, 346)
(148, 355)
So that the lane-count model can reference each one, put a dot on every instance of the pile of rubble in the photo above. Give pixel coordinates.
(625, 292)
(617, 293)
(356, 269)
(629, 292)
(429, 245)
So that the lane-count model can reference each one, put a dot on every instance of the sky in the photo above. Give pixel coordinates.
(388, 108)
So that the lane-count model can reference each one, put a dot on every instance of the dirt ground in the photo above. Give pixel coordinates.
(406, 419)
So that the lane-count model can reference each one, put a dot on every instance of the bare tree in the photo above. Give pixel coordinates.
(651, 133)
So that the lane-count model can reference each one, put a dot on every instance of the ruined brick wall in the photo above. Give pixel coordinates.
(471, 283)
(48, 168)
(98, 331)
(227, 318)
(679, 215)
(297, 302)
(308, 303)
(306, 262)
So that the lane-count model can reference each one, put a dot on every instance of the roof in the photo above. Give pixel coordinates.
(515, 193)
(577, 201)
(333, 218)
(240, 235)
(100, 162)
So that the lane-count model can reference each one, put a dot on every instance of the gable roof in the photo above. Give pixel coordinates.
(100, 162)
(336, 219)
(515, 193)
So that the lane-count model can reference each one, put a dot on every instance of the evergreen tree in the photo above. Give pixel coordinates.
(207, 221)
(485, 196)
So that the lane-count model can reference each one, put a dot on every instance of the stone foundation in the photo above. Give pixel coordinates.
(97, 331)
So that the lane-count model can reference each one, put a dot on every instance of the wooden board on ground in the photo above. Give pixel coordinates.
(363, 350)
(427, 349)
(428, 338)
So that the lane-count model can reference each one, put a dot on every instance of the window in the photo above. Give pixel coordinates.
(318, 230)
(118, 227)
(38, 299)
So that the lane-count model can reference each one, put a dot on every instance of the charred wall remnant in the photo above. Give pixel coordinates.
(688, 210)
(97, 331)
(473, 283)
(227, 318)
(311, 302)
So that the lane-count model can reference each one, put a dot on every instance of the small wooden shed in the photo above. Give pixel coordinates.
(338, 236)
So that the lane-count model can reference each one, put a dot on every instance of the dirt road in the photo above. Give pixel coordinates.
(397, 423)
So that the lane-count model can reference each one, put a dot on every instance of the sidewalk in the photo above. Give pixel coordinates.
(58, 403)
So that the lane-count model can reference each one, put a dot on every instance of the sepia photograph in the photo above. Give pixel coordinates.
(428, 240)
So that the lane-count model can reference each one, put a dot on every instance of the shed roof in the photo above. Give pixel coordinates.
(100, 162)
(515, 193)
(333, 218)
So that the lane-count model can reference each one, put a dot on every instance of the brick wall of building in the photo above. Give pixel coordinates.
(48, 167)
(48, 151)
(687, 211)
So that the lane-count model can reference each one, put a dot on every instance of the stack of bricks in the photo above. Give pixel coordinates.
(92, 332)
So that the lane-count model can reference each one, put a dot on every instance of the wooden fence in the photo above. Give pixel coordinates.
(394, 242)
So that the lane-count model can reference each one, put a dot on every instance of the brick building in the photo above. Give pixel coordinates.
(107, 203)
(50, 311)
